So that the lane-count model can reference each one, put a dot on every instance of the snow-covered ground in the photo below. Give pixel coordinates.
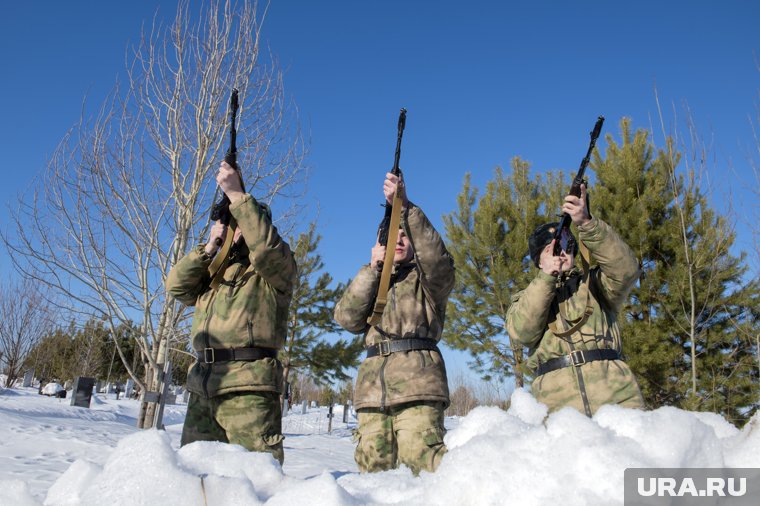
(54, 454)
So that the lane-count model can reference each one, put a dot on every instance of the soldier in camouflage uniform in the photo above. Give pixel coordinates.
(568, 316)
(401, 390)
(238, 328)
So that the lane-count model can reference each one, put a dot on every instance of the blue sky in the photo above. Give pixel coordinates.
(483, 82)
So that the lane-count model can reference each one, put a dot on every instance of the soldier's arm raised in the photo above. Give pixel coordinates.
(433, 260)
(619, 268)
(269, 254)
(528, 314)
(189, 278)
(355, 305)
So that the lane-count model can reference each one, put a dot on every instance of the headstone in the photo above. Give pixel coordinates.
(313, 404)
(303, 407)
(128, 389)
(28, 377)
(98, 386)
(285, 406)
(82, 393)
(171, 398)
(345, 413)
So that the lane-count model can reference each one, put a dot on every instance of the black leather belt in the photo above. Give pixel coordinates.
(389, 346)
(211, 355)
(576, 358)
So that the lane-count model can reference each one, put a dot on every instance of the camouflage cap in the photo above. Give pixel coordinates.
(543, 235)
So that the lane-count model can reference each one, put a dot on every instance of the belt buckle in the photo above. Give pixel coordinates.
(206, 355)
(384, 347)
(576, 362)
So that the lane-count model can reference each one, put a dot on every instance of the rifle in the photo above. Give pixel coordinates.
(575, 188)
(221, 210)
(389, 223)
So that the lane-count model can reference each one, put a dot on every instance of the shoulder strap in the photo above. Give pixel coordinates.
(385, 276)
(563, 313)
(216, 269)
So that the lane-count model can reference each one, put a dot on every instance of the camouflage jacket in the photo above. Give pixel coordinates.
(416, 307)
(537, 307)
(249, 308)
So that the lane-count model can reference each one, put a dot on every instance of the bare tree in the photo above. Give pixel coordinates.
(24, 319)
(705, 241)
(127, 193)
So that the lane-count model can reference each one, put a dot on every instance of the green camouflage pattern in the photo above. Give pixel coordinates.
(416, 307)
(249, 308)
(610, 281)
(251, 420)
(407, 434)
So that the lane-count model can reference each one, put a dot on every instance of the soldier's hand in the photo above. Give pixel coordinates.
(576, 208)
(229, 181)
(550, 264)
(378, 255)
(218, 232)
(395, 185)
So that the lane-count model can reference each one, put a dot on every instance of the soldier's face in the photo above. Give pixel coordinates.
(403, 252)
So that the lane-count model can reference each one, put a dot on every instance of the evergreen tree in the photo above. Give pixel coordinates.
(65, 353)
(488, 238)
(686, 324)
(690, 326)
(311, 318)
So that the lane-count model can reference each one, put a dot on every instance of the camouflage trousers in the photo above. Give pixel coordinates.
(252, 420)
(410, 434)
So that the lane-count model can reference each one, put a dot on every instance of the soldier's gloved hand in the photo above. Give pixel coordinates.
(229, 181)
(395, 185)
(218, 231)
(576, 208)
(378, 255)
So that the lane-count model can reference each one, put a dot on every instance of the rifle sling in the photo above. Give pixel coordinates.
(566, 336)
(385, 276)
(216, 269)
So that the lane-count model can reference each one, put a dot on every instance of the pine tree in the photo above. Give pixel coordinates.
(686, 324)
(691, 323)
(311, 318)
(488, 238)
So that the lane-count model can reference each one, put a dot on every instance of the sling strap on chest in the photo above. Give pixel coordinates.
(566, 336)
